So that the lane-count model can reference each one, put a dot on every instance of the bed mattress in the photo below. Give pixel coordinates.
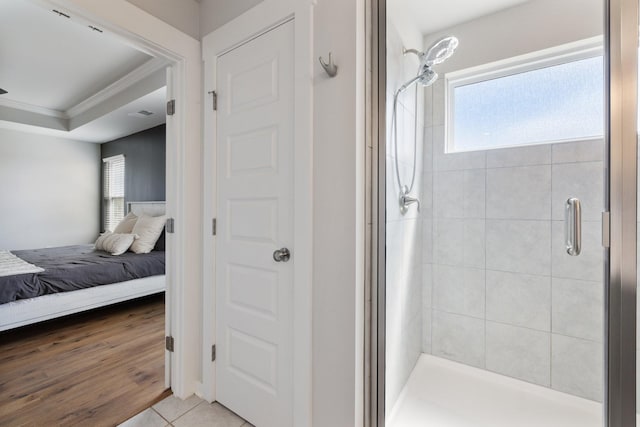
(71, 268)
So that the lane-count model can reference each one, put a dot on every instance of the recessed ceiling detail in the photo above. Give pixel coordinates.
(58, 63)
(71, 79)
(113, 125)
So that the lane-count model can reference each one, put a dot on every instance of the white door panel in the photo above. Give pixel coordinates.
(254, 293)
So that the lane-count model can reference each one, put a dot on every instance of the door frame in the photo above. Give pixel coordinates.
(619, 220)
(375, 392)
(144, 31)
(253, 23)
(621, 73)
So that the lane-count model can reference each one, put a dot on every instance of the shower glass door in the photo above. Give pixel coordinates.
(496, 164)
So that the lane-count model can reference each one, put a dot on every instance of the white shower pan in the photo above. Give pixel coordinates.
(448, 394)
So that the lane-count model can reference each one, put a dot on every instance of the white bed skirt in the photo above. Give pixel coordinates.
(33, 310)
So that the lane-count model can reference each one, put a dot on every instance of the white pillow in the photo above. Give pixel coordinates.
(126, 224)
(117, 244)
(148, 229)
(99, 245)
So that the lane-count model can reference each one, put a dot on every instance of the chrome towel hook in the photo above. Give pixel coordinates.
(330, 68)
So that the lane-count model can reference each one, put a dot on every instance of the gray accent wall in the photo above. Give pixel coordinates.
(145, 164)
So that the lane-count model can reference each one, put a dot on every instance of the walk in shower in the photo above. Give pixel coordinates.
(495, 165)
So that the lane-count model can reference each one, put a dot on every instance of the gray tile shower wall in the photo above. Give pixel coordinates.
(499, 291)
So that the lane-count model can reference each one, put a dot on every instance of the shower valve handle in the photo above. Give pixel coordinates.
(406, 201)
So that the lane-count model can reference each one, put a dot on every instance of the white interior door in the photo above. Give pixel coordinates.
(254, 292)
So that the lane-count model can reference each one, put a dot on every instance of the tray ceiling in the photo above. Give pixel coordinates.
(54, 62)
(62, 74)
(122, 121)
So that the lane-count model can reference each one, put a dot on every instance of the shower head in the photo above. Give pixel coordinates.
(439, 52)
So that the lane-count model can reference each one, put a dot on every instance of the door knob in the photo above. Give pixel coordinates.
(281, 255)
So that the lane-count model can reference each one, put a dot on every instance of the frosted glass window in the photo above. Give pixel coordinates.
(551, 104)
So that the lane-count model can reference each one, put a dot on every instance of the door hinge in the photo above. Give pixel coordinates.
(170, 225)
(213, 353)
(214, 99)
(214, 226)
(171, 107)
(168, 343)
(606, 229)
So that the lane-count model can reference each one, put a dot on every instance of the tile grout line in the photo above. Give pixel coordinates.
(551, 278)
(434, 147)
(189, 410)
(435, 241)
(154, 410)
(485, 262)
(433, 232)
(528, 328)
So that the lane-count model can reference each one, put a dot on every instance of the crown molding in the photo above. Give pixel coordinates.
(137, 75)
(140, 73)
(17, 105)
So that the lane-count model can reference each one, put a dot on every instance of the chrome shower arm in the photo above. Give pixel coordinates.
(414, 51)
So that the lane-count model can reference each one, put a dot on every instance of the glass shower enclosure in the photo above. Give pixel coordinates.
(507, 213)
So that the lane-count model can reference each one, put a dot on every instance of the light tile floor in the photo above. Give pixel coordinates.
(192, 412)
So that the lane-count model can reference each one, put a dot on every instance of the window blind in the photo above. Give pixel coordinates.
(113, 191)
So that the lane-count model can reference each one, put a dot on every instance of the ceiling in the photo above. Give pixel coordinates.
(69, 79)
(429, 16)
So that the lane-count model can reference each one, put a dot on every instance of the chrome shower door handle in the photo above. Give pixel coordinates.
(573, 226)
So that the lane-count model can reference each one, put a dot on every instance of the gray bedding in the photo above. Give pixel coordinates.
(70, 268)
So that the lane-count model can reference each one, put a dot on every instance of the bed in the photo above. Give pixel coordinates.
(100, 279)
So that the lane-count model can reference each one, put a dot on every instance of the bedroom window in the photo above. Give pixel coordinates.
(113, 191)
(545, 97)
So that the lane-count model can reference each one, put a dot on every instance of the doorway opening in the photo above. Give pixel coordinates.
(71, 119)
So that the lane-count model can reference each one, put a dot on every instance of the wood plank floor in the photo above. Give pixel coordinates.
(92, 369)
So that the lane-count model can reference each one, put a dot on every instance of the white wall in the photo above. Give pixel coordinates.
(404, 232)
(215, 13)
(195, 18)
(339, 152)
(530, 27)
(181, 14)
(337, 202)
(49, 191)
(338, 158)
